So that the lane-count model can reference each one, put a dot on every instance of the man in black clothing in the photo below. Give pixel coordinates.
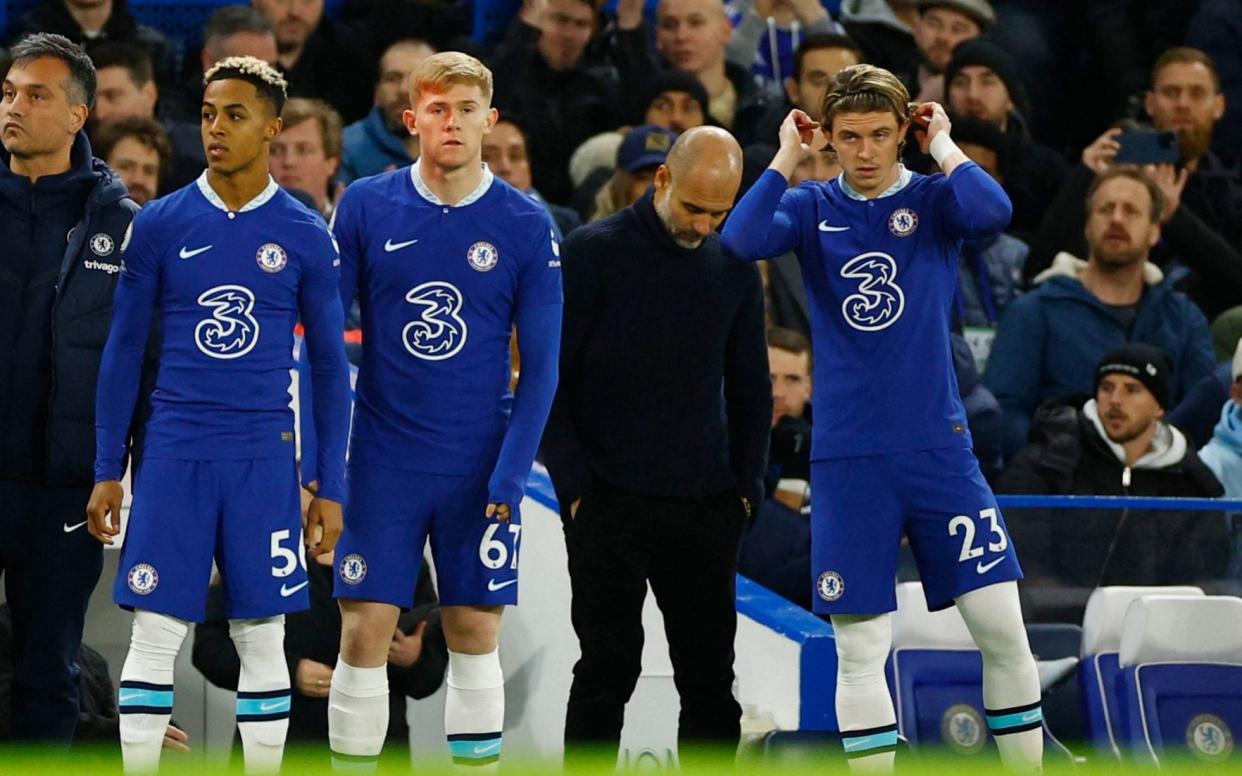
(65, 217)
(657, 442)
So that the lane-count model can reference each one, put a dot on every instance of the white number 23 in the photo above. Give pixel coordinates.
(967, 529)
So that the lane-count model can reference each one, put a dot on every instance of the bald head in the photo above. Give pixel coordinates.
(696, 186)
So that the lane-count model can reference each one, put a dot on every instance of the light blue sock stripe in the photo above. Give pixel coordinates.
(130, 696)
(263, 705)
(475, 750)
(1005, 721)
(863, 743)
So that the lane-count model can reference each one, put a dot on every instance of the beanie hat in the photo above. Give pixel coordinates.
(1146, 363)
(984, 53)
(671, 80)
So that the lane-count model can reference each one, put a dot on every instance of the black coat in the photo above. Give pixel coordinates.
(1088, 548)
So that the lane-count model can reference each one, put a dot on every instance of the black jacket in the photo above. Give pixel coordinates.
(80, 317)
(1087, 548)
(315, 634)
(664, 389)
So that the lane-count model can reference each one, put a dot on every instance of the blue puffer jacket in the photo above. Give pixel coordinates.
(80, 317)
(1050, 341)
(1223, 454)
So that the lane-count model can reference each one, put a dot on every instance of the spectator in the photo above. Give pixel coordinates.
(307, 152)
(767, 33)
(1050, 339)
(232, 31)
(640, 154)
(1202, 224)
(1215, 29)
(505, 152)
(990, 273)
(1115, 444)
(692, 35)
(417, 656)
(91, 22)
(64, 216)
(648, 470)
(1223, 452)
(942, 25)
(675, 100)
(137, 149)
(381, 142)
(982, 81)
(127, 90)
(882, 29)
(818, 58)
(320, 59)
(544, 75)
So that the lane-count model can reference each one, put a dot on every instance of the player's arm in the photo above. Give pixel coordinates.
(538, 319)
(748, 394)
(978, 207)
(324, 320)
(765, 223)
(120, 371)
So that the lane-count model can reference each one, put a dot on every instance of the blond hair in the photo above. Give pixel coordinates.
(866, 89)
(327, 121)
(439, 72)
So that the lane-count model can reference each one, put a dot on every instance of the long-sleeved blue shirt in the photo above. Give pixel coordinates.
(228, 289)
(880, 275)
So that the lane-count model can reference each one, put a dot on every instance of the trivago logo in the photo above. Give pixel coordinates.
(102, 266)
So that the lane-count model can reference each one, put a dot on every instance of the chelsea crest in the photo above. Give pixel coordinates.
(272, 258)
(482, 256)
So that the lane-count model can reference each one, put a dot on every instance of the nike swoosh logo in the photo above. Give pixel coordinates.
(288, 591)
(824, 227)
(859, 744)
(191, 254)
(1034, 715)
(123, 697)
(273, 706)
(984, 568)
(488, 748)
(71, 528)
(493, 585)
(391, 246)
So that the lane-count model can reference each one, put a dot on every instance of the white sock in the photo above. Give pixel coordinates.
(357, 714)
(263, 696)
(1011, 694)
(145, 700)
(864, 708)
(474, 708)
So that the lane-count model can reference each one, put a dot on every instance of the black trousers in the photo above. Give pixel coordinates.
(50, 565)
(687, 550)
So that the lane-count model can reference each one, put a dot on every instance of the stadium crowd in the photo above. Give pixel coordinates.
(1095, 341)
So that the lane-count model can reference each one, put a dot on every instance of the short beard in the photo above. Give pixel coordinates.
(1126, 435)
(1193, 143)
(666, 218)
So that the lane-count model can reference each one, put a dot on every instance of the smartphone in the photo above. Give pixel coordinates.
(1147, 146)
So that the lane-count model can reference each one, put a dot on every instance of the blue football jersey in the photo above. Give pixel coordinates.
(880, 275)
(227, 288)
(439, 287)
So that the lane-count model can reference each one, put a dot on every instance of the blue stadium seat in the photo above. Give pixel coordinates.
(1180, 683)
(1098, 668)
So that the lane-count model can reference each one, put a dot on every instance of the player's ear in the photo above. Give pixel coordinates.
(274, 127)
(493, 116)
(411, 126)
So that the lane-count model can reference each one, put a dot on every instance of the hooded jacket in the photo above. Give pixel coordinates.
(1070, 454)
(1223, 453)
(80, 317)
(1050, 340)
(884, 39)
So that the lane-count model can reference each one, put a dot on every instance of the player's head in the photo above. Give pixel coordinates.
(1132, 390)
(819, 57)
(1185, 97)
(565, 29)
(450, 109)
(47, 95)
(789, 366)
(943, 24)
(695, 187)
(865, 116)
(1123, 217)
(138, 149)
(242, 102)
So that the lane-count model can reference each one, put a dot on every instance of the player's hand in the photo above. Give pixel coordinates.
(499, 511)
(313, 679)
(323, 526)
(929, 120)
(1099, 156)
(175, 739)
(405, 650)
(797, 132)
(1172, 183)
(103, 511)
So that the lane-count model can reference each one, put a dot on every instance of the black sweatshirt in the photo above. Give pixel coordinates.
(664, 387)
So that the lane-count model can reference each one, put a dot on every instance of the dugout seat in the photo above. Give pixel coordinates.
(936, 677)
(1180, 686)
(1098, 667)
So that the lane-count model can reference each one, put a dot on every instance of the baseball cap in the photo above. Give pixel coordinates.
(979, 10)
(645, 146)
